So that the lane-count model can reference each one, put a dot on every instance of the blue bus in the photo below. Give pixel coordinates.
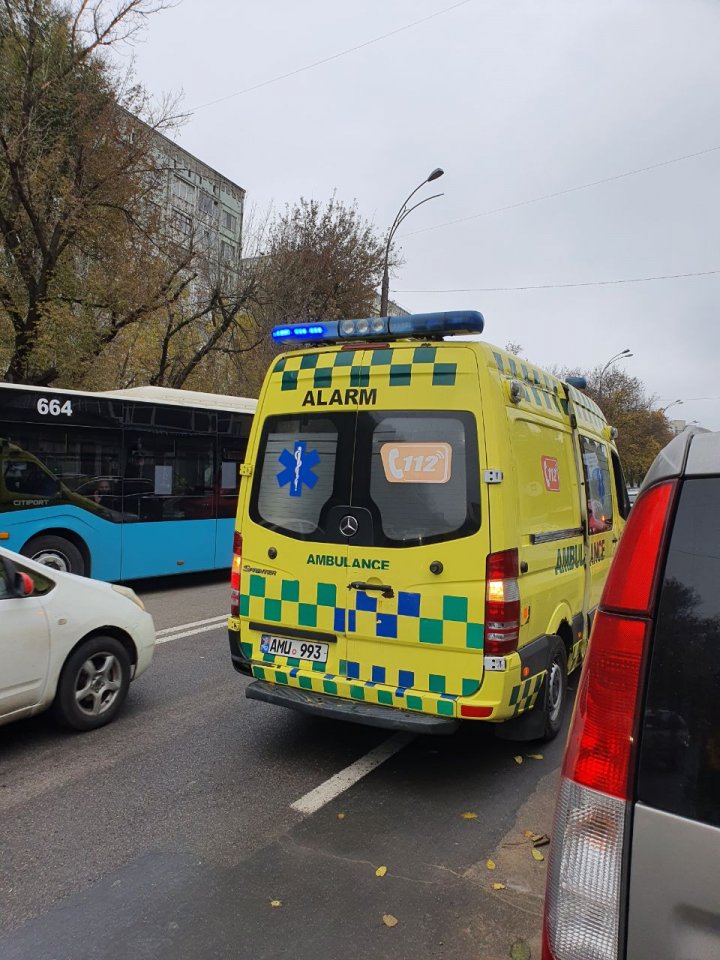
(122, 484)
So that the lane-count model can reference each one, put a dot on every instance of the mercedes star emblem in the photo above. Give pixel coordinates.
(348, 526)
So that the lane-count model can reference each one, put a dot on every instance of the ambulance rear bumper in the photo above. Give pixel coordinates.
(369, 714)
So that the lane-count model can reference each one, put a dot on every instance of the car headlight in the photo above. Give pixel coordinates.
(130, 594)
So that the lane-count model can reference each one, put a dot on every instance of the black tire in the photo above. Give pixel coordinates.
(552, 697)
(55, 552)
(100, 667)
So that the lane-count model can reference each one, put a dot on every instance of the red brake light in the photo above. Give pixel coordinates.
(630, 586)
(602, 737)
(235, 576)
(502, 603)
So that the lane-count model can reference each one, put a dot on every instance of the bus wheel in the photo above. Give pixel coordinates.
(55, 552)
(553, 693)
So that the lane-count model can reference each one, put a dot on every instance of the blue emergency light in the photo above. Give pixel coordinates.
(423, 326)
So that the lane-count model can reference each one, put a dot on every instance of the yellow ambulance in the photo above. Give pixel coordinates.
(424, 529)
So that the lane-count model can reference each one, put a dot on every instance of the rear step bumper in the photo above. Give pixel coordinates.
(369, 714)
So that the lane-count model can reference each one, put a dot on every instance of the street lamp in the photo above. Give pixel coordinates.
(618, 356)
(402, 213)
(674, 403)
(623, 355)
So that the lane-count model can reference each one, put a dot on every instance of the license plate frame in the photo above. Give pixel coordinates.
(310, 650)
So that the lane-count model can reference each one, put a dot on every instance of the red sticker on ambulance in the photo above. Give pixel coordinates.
(551, 473)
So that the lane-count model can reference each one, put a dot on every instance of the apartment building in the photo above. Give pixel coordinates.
(200, 203)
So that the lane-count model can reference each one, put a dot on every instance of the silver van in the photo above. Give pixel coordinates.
(634, 871)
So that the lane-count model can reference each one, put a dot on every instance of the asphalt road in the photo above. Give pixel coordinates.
(170, 833)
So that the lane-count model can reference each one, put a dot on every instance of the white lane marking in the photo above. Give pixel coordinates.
(188, 633)
(195, 623)
(346, 778)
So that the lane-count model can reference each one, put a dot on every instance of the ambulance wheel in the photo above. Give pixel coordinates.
(552, 696)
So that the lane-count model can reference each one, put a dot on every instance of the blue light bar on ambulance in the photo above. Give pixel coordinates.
(425, 326)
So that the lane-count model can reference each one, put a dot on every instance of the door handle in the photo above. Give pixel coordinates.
(382, 588)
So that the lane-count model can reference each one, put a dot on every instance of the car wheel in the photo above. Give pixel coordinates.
(93, 684)
(55, 552)
(552, 696)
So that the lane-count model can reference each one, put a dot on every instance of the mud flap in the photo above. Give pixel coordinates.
(528, 726)
(531, 724)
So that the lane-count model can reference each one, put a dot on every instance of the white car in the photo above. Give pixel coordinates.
(67, 644)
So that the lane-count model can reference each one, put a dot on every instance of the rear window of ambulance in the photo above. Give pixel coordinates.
(298, 471)
(418, 476)
(414, 474)
(679, 768)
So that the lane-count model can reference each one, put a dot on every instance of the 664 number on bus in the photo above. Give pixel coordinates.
(53, 407)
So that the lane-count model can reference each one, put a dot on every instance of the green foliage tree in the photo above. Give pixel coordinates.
(82, 255)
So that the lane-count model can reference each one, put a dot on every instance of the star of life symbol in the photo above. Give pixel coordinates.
(298, 468)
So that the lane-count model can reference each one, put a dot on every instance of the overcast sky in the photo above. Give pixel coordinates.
(515, 99)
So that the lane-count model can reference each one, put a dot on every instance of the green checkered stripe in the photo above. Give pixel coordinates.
(366, 692)
(524, 695)
(276, 600)
(576, 655)
(391, 366)
(588, 412)
(452, 627)
(540, 389)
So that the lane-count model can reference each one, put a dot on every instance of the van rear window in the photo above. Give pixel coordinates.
(414, 475)
(418, 475)
(679, 769)
(297, 478)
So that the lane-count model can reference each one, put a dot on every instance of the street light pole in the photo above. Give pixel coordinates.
(665, 409)
(623, 355)
(618, 356)
(402, 213)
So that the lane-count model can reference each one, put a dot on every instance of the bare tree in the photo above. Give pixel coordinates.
(324, 261)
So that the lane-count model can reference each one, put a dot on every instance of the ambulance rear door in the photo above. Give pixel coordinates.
(417, 529)
(294, 567)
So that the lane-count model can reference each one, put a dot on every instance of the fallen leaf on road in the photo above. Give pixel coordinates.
(341, 816)
(518, 759)
(520, 950)
(469, 816)
(490, 864)
(537, 855)
(538, 839)
(276, 903)
(381, 871)
(534, 756)
(498, 886)
(389, 920)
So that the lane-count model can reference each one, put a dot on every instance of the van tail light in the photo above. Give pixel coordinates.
(584, 897)
(235, 576)
(502, 603)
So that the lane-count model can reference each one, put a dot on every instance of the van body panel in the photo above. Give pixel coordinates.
(674, 903)
(424, 450)
(281, 587)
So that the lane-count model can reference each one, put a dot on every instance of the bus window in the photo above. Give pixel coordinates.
(168, 477)
(28, 479)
